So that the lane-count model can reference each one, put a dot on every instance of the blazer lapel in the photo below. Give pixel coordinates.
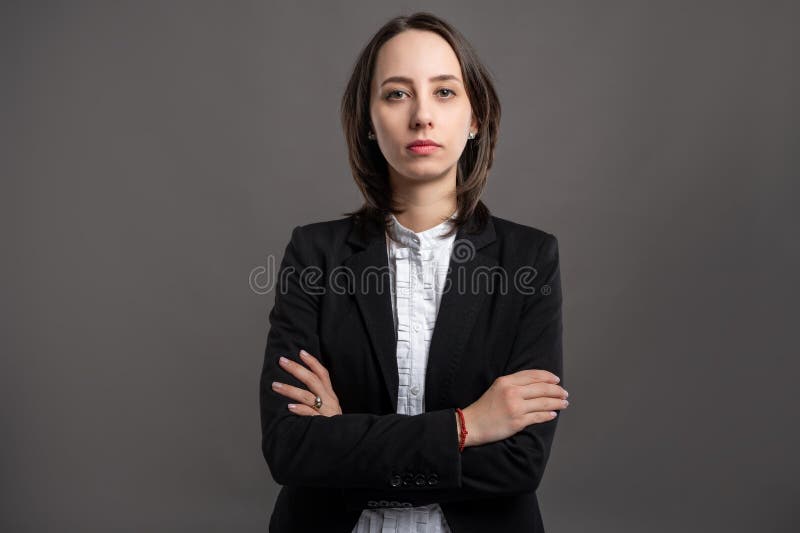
(464, 291)
(370, 273)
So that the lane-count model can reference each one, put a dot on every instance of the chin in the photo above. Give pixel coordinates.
(423, 175)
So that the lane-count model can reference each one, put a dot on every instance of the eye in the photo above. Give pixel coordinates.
(449, 93)
(390, 93)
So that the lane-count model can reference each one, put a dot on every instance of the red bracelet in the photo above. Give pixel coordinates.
(462, 437)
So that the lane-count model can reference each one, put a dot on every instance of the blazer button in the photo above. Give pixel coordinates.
(372, 503)
(396, 481)
(408, 479)
(420, 480)
(433, 479)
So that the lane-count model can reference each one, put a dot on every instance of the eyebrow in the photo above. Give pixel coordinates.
(403, 79)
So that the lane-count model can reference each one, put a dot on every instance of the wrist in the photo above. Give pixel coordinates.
(462, 429)
(468, 423)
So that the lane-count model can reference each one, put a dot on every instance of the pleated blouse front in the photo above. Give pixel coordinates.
(418, 265)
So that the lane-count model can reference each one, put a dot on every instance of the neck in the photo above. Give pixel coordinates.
(427, 203)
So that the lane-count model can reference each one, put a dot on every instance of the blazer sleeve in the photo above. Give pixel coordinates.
(515, 464)
(348, 450)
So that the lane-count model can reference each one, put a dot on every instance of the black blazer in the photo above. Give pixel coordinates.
(329, 301)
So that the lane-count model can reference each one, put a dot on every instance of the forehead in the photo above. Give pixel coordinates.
(415, 54)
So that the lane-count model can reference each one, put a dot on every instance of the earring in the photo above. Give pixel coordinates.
(371, 136)
(472, 134)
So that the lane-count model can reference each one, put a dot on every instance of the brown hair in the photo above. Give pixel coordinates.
(369, 167)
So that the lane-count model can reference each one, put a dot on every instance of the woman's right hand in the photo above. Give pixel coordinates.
(512, 403)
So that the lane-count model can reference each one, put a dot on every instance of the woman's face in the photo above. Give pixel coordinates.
(409, 104)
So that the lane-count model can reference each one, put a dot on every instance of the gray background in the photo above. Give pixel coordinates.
(155, 153)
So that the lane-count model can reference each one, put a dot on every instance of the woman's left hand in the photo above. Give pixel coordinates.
(319, 384)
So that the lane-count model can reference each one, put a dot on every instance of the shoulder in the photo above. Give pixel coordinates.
(531, 253)
(325, 230)
(314, 240)
(515, 236)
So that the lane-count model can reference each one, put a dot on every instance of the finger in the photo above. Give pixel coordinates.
(535, 390)
(302, 410)
(302, 373)
(314, 364)
(524, 377)
(295, 393)
(318, 369)
(544, 403)
(539, 417)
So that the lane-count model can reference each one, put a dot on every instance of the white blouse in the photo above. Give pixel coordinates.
(418, 269)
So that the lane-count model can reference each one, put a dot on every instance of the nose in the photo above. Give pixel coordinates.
(421, 116)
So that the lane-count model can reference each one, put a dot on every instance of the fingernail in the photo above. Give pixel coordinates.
(284, 360)
(291, 406)
(558, 379)
(304, 353)
(276, 385)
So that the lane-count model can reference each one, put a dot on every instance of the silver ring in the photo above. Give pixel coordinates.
(317, 403)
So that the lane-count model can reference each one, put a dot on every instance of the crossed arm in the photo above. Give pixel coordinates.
(362, 453)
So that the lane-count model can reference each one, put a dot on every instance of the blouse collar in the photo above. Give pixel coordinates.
(430, 238)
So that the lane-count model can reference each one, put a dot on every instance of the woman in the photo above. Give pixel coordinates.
(430, 406)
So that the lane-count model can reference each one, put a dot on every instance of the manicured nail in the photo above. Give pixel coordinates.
(304, 353)
(276, 385)
(284, 360)
(291, 406)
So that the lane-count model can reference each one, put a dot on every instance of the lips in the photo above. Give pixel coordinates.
(423, 142)
(423, 149)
